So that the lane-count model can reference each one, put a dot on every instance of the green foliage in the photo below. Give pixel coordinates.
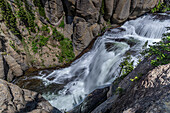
(12, 44)
(45, 28)
(57, 35)
(161, 7)
(26, 15)
(9, 18)
(119, 90)
(161, 50)
(62, 25)
(134, 79)
(43, 40)
(102, 9)
(39, 42)
(40, 6)
(126, 66)
(66, 47)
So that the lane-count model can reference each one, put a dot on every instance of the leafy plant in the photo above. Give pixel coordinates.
(62, 25)
(40, 6)
(45, 28)
(102, 9)
(9, 18)
(57, 35)
(66, 54)
(161, 50)
(119, 90)
(66, 47)
(161, 7)
(126, 66)
(26, 15)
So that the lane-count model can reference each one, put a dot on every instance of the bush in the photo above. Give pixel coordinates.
(161, 7)
(161, 50)
(62, 25)
(66, 55)
(9, 18)
(40, 6)
(26, 15)
(126, 66)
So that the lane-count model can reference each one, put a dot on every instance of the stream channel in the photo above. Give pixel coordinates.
(67, 87)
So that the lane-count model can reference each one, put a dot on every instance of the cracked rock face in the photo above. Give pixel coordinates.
(14, 99)
(149, 94)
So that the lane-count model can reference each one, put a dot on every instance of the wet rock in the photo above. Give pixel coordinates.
(91, 101)
(14, 99)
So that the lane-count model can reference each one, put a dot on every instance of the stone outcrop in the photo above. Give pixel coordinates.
(148, 93)
(91, 101)
(54, 10)
(16, 100)
(89, 12)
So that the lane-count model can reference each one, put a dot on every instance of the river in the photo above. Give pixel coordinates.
(67, 87)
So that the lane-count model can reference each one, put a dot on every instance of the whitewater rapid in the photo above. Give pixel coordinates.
(100, 66)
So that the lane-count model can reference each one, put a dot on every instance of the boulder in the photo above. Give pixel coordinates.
(91, 101)
(14, 99)
(122, 11)
(54, 10)
(14, 66)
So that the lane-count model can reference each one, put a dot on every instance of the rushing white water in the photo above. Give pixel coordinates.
(100, 66)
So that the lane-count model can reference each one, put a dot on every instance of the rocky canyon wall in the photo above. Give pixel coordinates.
(32, 33)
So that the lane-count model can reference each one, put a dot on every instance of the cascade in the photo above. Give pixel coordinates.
(100, 66)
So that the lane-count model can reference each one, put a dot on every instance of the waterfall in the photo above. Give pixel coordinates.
(100, 66)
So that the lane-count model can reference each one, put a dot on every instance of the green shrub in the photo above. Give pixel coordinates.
(161, 50)
(126, 66)
(161, 7)
(26, 15)
(119, 90)
(43, 41)
(9, 18)
(62, 25)
(39, 42)
(66, 55)
(102, 9)
(45, 28)
(40, 6)
(57, 35)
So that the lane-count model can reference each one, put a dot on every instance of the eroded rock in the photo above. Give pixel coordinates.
(14, 99)
(151, 93)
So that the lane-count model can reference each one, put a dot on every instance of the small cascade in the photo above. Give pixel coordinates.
(100, 66)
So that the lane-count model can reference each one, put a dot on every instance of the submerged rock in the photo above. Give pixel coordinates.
(14, 99)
